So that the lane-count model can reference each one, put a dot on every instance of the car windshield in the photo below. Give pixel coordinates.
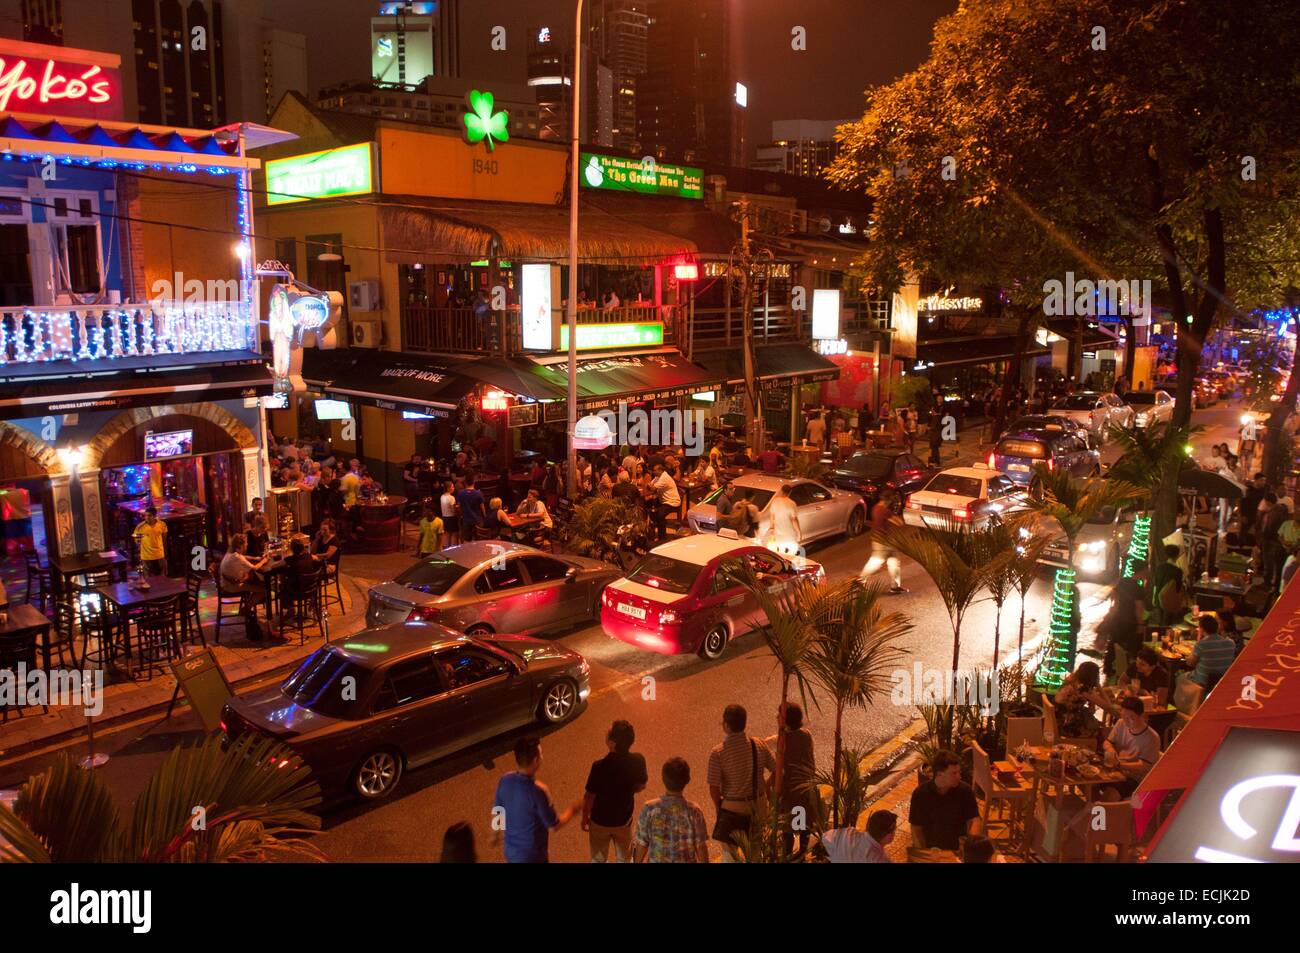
(318, 684)
(1077, 402)
(1145, 397)
(1103, 517)
(753, 494)
(670, 575)
(433, 576)
(874, 466)
(954, 484)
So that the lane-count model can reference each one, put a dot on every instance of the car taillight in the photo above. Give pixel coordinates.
(423, 614)
(669, 617)
(912, 504)
(993, 461)
(1051, 465)
(961, 513)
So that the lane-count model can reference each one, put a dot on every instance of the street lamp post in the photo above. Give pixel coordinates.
(574, 108)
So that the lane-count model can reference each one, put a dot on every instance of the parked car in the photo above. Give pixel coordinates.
(1018, 452)
(963, 496)
(1044, 422)
(1151, 407)
(360, 712)
(822, 512)
(688, 594)
(1095, 412)
(891, 473)
(484, 587)
(1205, 393)
(1100, 547)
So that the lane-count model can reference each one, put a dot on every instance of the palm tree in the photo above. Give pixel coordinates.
(1145, 454)
(1023, 567)
(997, 539)
(593, 530)
(1072, 504)
(203, 805)
(853, 661)
(794, 617)
(956, 560)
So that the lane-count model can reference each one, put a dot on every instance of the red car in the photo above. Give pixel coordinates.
(688, 596)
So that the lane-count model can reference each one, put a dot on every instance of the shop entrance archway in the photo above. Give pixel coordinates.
(33, 486)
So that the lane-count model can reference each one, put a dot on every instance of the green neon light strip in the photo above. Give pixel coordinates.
(1058, 658)
(1138, 545)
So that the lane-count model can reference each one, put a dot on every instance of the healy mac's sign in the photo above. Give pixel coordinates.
(59, 81)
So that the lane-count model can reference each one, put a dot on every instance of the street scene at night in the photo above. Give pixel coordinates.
(648, 431)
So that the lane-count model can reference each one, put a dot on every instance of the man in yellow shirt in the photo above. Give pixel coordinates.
(151, 535)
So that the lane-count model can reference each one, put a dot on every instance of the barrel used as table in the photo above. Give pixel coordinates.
(378, 526)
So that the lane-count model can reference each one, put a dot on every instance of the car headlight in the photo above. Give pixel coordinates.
(1096, 546)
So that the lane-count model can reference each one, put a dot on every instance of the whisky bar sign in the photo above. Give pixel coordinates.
(59, 81)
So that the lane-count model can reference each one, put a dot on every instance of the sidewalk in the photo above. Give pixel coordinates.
(245, 663)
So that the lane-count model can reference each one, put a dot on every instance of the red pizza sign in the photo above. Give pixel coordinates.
(56, 81)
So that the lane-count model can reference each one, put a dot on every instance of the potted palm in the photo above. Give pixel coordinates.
(249, 802)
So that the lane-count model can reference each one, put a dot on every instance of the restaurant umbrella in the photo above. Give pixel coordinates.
(1207, 483)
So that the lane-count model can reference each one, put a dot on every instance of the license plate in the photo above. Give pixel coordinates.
(634, 611)
(1018, 467)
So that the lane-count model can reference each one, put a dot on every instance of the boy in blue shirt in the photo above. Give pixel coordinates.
(524, 805)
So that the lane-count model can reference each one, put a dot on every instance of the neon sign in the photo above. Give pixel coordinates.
(54, 80)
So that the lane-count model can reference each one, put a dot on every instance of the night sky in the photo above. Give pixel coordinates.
(851, 45)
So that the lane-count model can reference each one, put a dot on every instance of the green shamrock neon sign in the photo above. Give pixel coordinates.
(482, 123)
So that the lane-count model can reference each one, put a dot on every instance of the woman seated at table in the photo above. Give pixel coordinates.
(258, 536)
(498, 519)
(325, 544)
(1076, 700)
(238, 572)
(608, 477)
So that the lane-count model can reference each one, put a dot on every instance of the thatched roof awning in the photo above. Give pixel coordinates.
(432, 230)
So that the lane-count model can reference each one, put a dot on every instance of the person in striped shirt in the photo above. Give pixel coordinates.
(1213, 653)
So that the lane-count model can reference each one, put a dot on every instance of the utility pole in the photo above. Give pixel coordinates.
(753, 395)
(575, 108)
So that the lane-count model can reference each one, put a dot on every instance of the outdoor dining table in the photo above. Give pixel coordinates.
(63, 568)
(1039, 763)
(24, 619)
(126, 596)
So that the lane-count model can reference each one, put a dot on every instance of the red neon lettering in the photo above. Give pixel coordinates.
(15, 83)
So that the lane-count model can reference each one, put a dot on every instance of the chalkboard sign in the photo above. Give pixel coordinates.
(522, 415)
(200, 677)
(557, 411)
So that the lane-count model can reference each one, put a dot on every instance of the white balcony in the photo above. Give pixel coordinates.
(43, 334)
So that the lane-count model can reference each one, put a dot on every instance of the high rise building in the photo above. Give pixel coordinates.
(690, 105)
(43, 21)
(616, 32)
(411, 39)
(198, 63)
(800, 147)
(438, 101)
(550, 75)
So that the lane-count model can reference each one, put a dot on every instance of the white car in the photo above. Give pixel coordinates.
(822, 512)
(1099, 548)
(1095, 412)
(963, 496)
(1150, 407)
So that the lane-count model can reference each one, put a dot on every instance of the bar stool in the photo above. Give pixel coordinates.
(94, 623)
(302, 600)
(15, 651)
(155, 631)
(38, 574)
(193, 599)
(333, 568)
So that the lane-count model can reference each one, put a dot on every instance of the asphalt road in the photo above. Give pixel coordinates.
(675, 704)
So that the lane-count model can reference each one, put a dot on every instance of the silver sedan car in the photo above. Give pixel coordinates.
(1100, 547)
(490, 587)
(1095, 412)
(821, 512)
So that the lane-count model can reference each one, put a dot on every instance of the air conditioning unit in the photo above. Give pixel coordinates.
(363, 295)
(366, 333)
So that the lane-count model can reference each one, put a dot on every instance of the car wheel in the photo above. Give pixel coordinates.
(559, 703)
(479, 631)
(715, 643)
(857, 522)
(377, 774)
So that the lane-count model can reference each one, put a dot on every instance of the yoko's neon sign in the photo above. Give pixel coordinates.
(49, 85)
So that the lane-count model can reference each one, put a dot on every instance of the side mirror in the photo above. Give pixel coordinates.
(571, 574)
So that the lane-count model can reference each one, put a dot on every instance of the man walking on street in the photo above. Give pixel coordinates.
(671, 829)
(612, 785)
(523, 809)
(936, 437)
(881, 553)
(736, 780)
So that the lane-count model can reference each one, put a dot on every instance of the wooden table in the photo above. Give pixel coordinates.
(124, 596)
(1039, 763)
(63, 568)
(26, 620)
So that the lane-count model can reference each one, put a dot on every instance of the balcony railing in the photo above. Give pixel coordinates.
(462, 331)
(91, 332)
(714, 328)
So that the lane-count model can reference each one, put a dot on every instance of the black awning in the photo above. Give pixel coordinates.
(773, 363)
(32, 390)
(982, 350)
(658, 376)
(387, 379)
(517, 375)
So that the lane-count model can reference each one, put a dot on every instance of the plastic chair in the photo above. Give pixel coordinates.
(1116, 829)
(1024, 731)
(1188, 696)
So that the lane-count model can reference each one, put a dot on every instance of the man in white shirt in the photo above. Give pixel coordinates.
(1133, 743)
(785, 521)
(845, 845)
(817, 431)
(667, 499)
(705, 473)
